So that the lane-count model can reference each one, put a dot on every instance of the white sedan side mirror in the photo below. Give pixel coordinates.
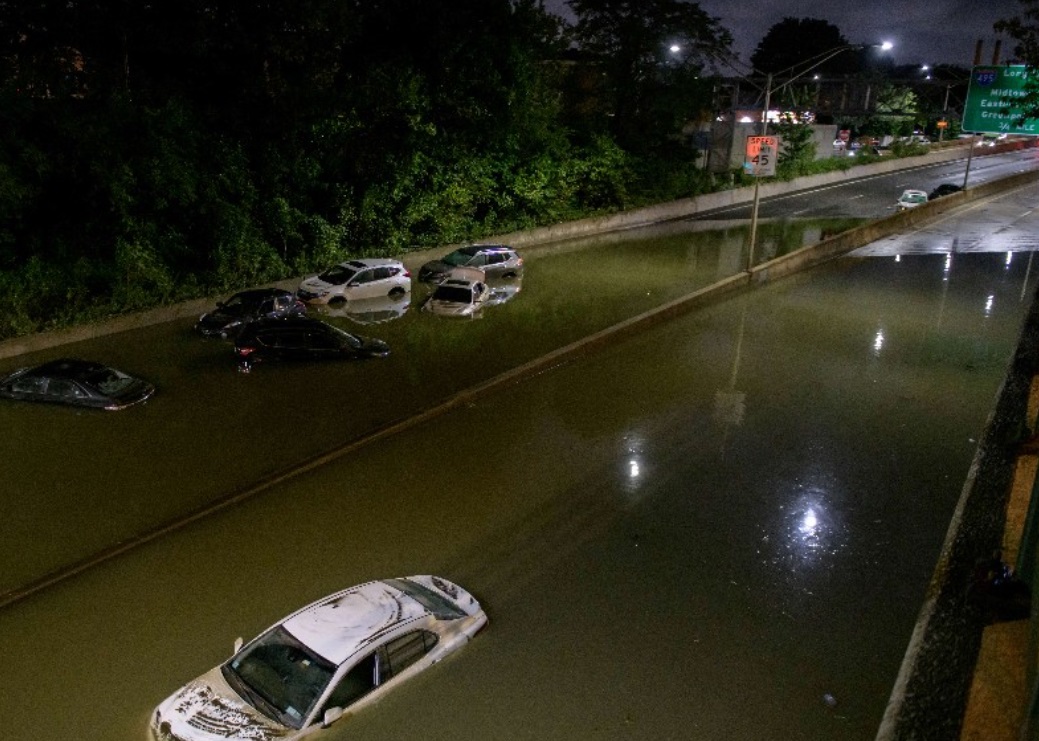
(331, 716)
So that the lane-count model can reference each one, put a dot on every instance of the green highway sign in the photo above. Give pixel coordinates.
(995, 101)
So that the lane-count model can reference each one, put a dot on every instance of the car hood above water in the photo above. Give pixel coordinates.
(450, 308)
(316, 284)
(220, 318)
(207, 709)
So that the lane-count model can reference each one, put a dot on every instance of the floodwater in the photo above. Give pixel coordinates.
(77, 482)
(720, 529)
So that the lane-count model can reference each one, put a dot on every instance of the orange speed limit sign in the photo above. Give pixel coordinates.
(762, 152)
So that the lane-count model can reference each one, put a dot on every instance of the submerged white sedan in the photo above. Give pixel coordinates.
(462, 293)
(322, 662)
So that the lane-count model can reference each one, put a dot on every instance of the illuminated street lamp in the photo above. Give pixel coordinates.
(813, 63)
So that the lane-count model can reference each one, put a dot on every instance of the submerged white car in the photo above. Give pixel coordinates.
(462, 293)
(356, 279)
(322, 662)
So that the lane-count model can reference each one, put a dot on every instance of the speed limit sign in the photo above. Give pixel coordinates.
(762, 152)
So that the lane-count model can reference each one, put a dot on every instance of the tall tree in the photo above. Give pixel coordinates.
(1024, 29)
(794, 44)
(639, 43)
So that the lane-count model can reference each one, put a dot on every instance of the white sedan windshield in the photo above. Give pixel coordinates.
(279, 676)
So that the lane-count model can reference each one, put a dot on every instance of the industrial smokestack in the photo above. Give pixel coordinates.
(977, 53)
(995, 51)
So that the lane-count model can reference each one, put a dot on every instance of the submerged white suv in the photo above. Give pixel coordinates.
(356, 279)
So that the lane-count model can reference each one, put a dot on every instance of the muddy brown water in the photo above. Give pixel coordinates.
(698, 533)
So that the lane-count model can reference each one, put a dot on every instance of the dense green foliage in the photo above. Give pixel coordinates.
(170, 149)
(155, 151)
(1024, 30)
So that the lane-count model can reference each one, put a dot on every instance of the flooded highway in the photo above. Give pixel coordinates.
(95, 479)
(721, 528)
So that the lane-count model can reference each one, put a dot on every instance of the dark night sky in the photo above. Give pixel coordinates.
(923, 32)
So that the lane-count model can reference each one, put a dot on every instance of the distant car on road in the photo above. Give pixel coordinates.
(462, 293)
(495, 260)
(944, 189)
(356, 279)
(302, 338)
(911, 199)
(329, 659)
(247, 306)
(80, 383)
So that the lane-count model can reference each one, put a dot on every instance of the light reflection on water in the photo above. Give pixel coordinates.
(634, 466)
(808, 533)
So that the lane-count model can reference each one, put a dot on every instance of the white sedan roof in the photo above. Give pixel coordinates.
(337, 626)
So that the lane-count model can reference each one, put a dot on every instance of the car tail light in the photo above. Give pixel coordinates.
(245, 351)
(519, 261)
(407, 273)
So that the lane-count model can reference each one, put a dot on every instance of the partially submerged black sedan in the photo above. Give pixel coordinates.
(302, 338)
(228, 318)
(77, 382)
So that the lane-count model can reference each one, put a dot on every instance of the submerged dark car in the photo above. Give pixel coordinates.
(302, 339)
(77, 382)
(945, 189)
(242, 308)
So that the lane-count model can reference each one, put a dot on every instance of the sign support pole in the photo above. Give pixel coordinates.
(753, 225)
(970, 155)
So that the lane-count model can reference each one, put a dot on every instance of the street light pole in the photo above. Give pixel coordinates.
(826, 56)
(945, 112)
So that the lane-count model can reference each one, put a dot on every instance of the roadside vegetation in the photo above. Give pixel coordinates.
(154, 153)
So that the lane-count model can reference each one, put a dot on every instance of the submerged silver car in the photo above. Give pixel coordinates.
(495, 260)
(463, 292)
(322, 662)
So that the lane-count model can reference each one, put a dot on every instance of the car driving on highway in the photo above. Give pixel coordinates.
(945, 189)
(911, 199)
